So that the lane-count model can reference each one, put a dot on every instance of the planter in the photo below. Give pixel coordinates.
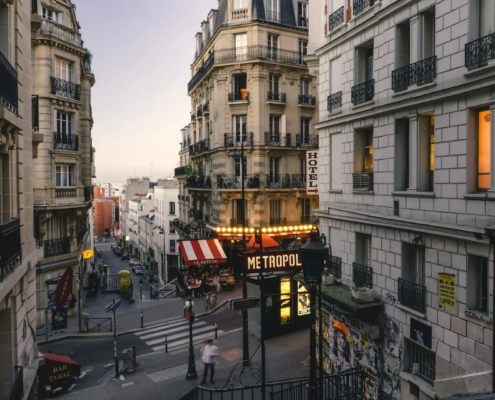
(364, 295)
(327, 280)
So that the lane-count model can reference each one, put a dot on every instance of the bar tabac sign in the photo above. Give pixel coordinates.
(287, 260)
(312, 172)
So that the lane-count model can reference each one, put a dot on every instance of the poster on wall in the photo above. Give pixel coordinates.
(420, 333)
(446, 290)
(303, 302)
(285, 306)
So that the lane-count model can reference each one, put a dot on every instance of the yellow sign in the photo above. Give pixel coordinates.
(88, 254)
(446, 290)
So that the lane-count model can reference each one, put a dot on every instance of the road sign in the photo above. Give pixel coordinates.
(190, 316)
(244, 304)
(112, 306)
(108, 307)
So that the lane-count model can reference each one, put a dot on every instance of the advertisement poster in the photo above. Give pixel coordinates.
(303, 302)
(59, 320)
(446, 290)
(285, 306)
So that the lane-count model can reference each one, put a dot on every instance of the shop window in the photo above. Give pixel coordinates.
(285, 300)
(477, 291)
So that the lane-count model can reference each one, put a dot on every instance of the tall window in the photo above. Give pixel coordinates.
(272, 12)
(302, 166)
(171, 208)
(275, 211)
(302, 9)
(363, 249)
(274, 166)
(171, 227)
(64, 175)
(304, 87)
(240, 44)
(368, 151)
(305, 210)
(172, 246)
(237, 211)
(239, 129)
(401, 170)
(240, 4)
(239, 82)
(63, 70)
(428, 33)
(403, 44)
(483, 173)
(274, 126)
(413, 263)
(305, 130)
(431, 154)
(64, 122)
(49, 14)
(477, 293)
(237, 166)
(303, 50)
(272, 47)
(274, 83)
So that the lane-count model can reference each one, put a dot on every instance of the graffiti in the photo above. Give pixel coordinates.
(392, 357)
(390, 299)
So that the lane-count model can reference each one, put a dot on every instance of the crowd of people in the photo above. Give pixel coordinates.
(204, 280)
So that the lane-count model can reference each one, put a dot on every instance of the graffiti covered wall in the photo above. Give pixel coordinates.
(392, 358)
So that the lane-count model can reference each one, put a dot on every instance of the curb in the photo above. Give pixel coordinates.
(127, 332)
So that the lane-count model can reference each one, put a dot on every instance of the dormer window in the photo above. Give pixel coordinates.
(240, 4)
(49, 14)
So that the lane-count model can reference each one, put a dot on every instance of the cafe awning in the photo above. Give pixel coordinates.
(202, 252)
(267, 241)
(57, 368)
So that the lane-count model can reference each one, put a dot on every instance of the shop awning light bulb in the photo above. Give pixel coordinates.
(229, 230)
(235, 230)
(269, 230)
(263, 230)
(251, 230)
(223, 229)
(285, 229)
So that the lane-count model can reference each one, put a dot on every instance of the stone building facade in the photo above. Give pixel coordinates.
(19, 356)
(407, 90)
(132, 187)
(249, 85)
(62, 82)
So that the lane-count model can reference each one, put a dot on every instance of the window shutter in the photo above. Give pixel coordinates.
(487, 10)
(367, 250)
(326, 29)
(361, 67)
(4, 31)
(419, 265)
(428, 24)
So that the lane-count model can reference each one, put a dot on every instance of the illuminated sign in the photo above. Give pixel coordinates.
(287, 260)
(312, 172)
(303, 301)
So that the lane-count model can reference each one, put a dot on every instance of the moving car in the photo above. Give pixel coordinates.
(138, 269)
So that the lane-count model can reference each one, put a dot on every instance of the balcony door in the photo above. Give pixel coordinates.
(239, 129)
(237, 167)
(274, 167)
(273, 47)
(305, 131)
(275, 127)
(64, 123)
(276, 212)
(240, 45)
(237, 211)
(274, 83)
(63, 70)
(304, 87)
(369, 64)
(305, 210)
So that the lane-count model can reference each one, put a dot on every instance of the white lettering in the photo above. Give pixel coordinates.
(279, 262)
(251, 263)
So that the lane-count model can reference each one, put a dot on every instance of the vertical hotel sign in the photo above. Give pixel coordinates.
(312, 172)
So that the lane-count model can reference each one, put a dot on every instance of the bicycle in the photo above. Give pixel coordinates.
(210, 301)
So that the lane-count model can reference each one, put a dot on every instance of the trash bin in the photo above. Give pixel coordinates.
(84, 321)
(128, 360)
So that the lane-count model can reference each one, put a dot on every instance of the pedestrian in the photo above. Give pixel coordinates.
(72, 304)
(209, 358)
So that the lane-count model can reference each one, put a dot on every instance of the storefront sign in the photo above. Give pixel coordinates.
(287, 260)
(59, 320)
(64, 288)
(420, 333)
(245, 304)
(57, 368)
(446, 290)
(312, 172)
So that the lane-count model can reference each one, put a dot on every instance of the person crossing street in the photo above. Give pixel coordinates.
(209, 358)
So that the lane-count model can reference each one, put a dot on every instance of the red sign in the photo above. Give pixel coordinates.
(64, 288)
(189, 316)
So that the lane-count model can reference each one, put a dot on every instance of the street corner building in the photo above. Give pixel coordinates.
(63, 161)
(407, 90)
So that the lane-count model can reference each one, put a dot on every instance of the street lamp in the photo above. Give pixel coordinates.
(191, 367)
(245, 333)
(313, 256)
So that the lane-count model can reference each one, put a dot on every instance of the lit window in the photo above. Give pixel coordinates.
(483, 176)
(368, 151)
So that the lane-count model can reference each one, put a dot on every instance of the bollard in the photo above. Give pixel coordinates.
(142, 320)
(184, 311)
(166, 343)
(216, 333)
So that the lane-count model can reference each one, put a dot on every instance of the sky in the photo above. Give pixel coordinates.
(142, 52)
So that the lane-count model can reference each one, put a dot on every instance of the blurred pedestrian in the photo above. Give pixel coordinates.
(209, 358)
(72, 304)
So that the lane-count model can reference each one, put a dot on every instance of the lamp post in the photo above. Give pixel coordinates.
(191, 366)
(245, 333)
(313, 257)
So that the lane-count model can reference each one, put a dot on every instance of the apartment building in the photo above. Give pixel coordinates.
(19, 357)
(406, 198)
(132, 187)
(63, 194)
(140, 206)
(251, 91)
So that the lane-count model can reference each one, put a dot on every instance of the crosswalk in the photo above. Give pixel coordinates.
(177, 334)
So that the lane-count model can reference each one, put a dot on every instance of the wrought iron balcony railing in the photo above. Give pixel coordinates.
(35, 113)
(88, 194)
(272, 16)
(362, 275)
(362, 181)
(202, 71)
(479, 51)
(237, 221)
(277, 221)
(307, 219)
(9, 96)
(236, 139)
(304, 140)
(412, 295)
(304, 22)
(67, 89)
(298, 181)
(57, 247)
(307, 100)
(197, 182)
(201, 147)
(281, 181)
(238, 96)
(180, 171)
(276, 96)
(206, 108)
(420, 72)
(358, 6)
(336, 18)
(199, 112)
(193, 117)
(363, 92)
(335, 267)
(10, 246)
(277, 139)
(17, 389)
(65, 141)
(234, 182)
(334, 101)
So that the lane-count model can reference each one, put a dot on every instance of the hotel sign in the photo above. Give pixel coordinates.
(287, 260)
(312, 172)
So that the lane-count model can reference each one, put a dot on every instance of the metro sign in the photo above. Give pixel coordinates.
(312, 172)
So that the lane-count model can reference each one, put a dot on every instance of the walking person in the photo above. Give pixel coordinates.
(72, 304)
(209, 358)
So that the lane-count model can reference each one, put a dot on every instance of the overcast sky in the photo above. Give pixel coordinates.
(142, 53)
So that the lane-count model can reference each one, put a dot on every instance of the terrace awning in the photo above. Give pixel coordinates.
(202, 252)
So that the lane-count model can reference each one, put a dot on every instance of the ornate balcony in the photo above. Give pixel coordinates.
(234, 182)
(479, 51)
(307, 100)
(304, 140)
(334, 101)
(363, 92)
(202, 71)
(412, 295)
(200, 147)
(236, 139)
(278, 181)
(358, 6)
(277, 139)
(278, 97)
(59, 31)
(335, 267)
(9, 97)
(66, 89)
(336, 18)
(180, 171)
(239, 14)
(421, 72)
(65, 193)
(198, 182)
(57, 247)
(206, 108)
(299, 181)
(363, 181)
(10, 246)
(238, 96)
(362, 275)
(65, 141)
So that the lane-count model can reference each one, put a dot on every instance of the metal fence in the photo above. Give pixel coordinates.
(99, 325)
(109, 283)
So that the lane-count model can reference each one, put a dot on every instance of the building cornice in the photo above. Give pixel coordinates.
(40, 40)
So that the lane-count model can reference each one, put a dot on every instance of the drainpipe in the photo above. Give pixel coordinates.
(490, 233)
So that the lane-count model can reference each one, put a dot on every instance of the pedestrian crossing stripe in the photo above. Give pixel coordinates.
(184, 342)
(177, 329)
(179, 335)
(162, 327)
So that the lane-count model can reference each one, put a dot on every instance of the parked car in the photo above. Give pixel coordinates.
(125, 256)
(132, 261)
(138, 270)
(135, 264)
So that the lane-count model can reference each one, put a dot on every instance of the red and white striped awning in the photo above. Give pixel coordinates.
(202, 252)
